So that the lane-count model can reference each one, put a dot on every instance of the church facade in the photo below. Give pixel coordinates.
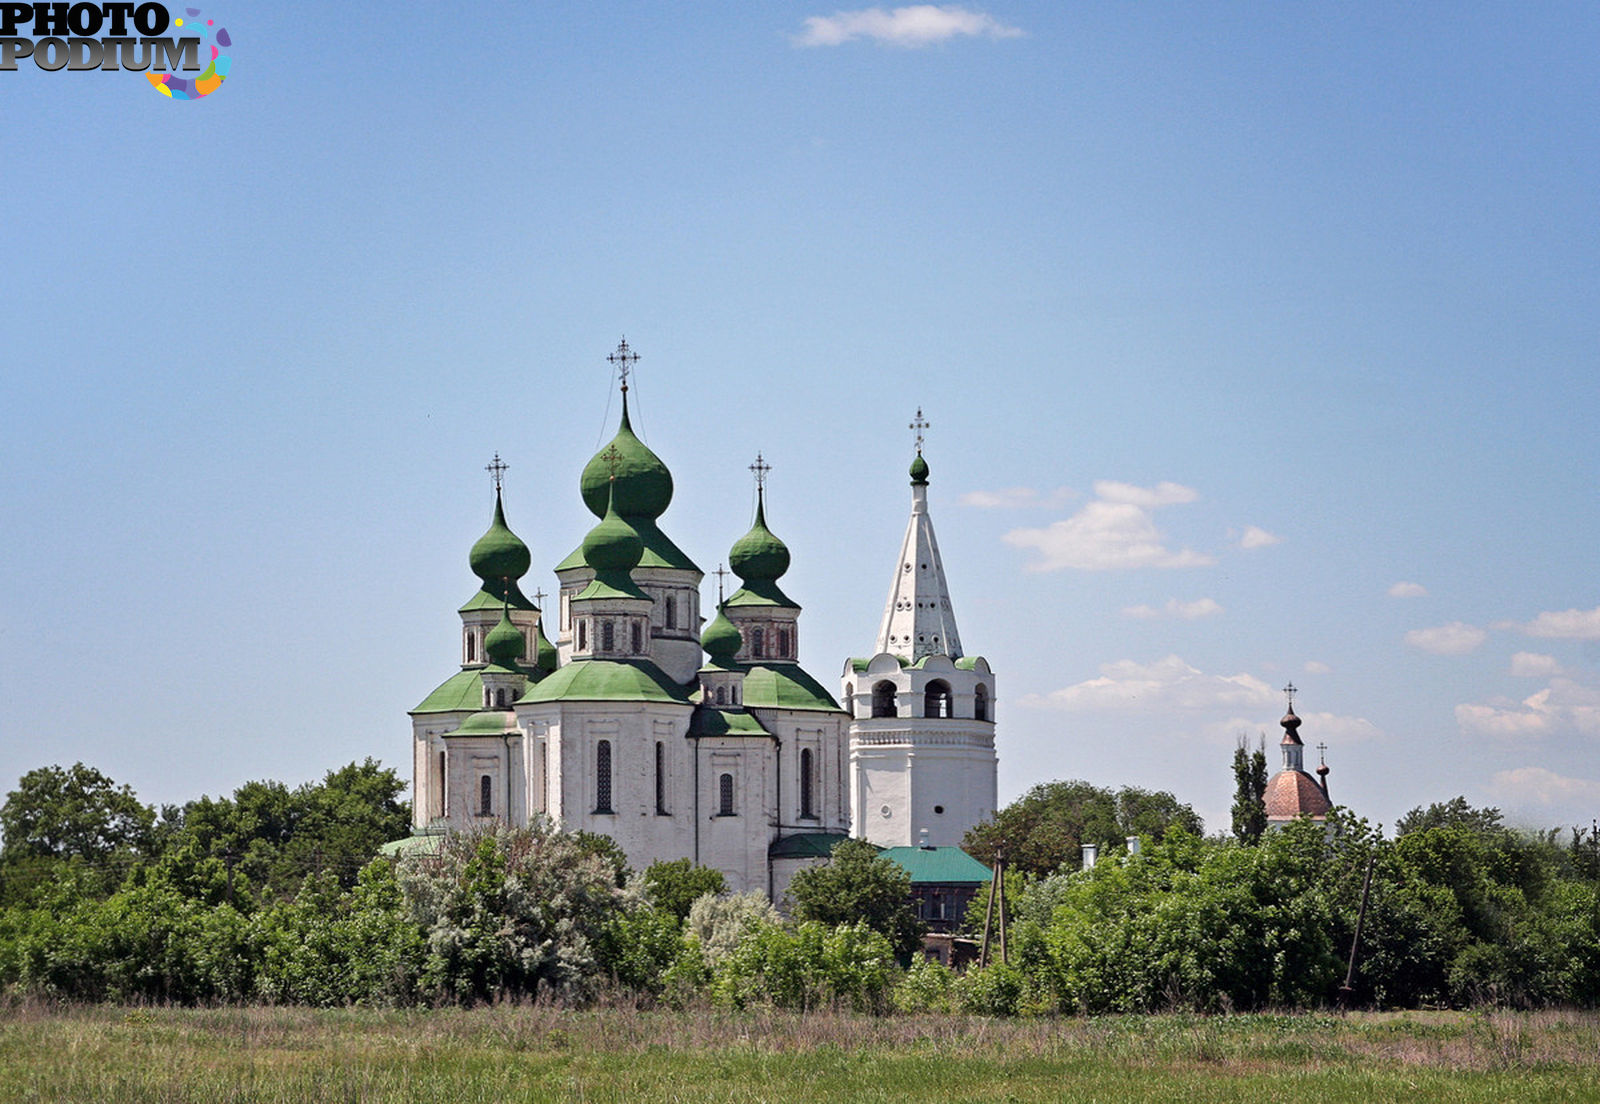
(682, 737)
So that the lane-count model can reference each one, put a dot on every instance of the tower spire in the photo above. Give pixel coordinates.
(918, 619)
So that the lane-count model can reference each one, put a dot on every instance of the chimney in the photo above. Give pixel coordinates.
(922, 840)
(1090, 850)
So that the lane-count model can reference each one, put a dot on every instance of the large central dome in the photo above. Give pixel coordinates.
(643, 486)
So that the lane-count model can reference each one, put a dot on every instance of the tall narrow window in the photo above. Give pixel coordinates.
(485, 795)
(725, 795)
(638, 639)
(980, 702)
(472, 648)
(807, 806)
(583, 635)
(758, 646)
(608, 636)
(670, 613)
(661, 779)
(883, 699)
(722, 695)
(602, 777)
(499, 699)
(442, 805)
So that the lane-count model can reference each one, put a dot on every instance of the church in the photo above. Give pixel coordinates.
(682, 736)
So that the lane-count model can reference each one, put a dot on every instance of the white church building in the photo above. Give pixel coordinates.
(711, 744)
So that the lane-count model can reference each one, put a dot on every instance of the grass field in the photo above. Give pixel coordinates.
(539, 1054)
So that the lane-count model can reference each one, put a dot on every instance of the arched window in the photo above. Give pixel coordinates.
(936, 699)
(488, 699)
(661, 779)
(608, 636)
(758, 647)
(670, 613)
(725, 795)
(722, 695)
(472, 648)
(783, 643)
(485, 795)
(638, 639)
(980, 702)
(807, 806)
(883, 699)
(583, 634)
(602, 777)
(500, 699)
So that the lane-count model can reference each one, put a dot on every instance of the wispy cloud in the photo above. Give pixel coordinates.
(1257, 537)
(1115, 531)
(1165, 684)
(1534, 665)
(1563, 705)
(1572, 624)
(1538, 786)
(1016, 498)
(1408, 590)
(910, 27)
(1316, 667)
(1315, 727)
(1183, 611)
(1456, 638)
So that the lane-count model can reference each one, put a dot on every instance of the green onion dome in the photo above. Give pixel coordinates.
(643, 485)
(545, 656)
(504, 643)
(499, 554)
(721, 640)
(758, 555)
(919, 471)
(613, 546)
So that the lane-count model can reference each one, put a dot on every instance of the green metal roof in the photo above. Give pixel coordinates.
(659, 551)
(485, 599)
(708, 720)
(785, 686)
(967, 663)
(761, 592)
(422, 841)
(487, 722)
(860, 665)
(611, 587)
(462, 690)
(607, 680)
(939, 864)
(806, 845)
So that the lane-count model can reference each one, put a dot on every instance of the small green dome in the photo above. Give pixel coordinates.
(545, 656)
(643, 485)
(499, 554)
(613, 545)
(758, 555)
(919, 471)
(504, 644)
(721, 640)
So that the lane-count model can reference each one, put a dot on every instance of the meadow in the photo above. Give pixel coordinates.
(547, 1053)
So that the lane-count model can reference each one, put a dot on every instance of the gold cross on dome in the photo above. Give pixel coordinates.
(497, 469)
(919, 423)
(761, 468)
(623, 361)
(611, 456)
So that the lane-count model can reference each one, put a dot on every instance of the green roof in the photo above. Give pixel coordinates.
(643, 485)
(784, 686)
(710, 721)
(611, 587)
(967, 663)
(659, 551)
(861, 665)
(487, 722)
(607, 680)
(421, 841)
(806, 845)
(485, 599)
(761, 592)
(462, 690)
(939, 864)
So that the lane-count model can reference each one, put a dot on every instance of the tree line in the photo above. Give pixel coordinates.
(273, 895)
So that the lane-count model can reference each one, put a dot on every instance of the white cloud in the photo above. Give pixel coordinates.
(1563, 705)
(1012, 498)
(1456, 638)
(1184, 611)
(1534, 665)
(1315, 728)
(1316, 667)
(1165, 684)
(1257, 537)
(1572, 624)
(1115, 531)
(909, 27)
(1408, 590)
(1538, 786)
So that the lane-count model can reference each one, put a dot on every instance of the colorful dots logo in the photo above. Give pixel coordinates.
(211, 37)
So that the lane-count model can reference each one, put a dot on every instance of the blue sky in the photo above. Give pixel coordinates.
(1259, 344)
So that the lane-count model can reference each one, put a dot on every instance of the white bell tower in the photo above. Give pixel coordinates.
(922, 755)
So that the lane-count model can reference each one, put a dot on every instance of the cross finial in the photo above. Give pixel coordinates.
(1322, 755)
(721, 573)
(497, 469)
(538, 598)
(1290, 690)
(623, 361)
(919, 423)
(761, 468)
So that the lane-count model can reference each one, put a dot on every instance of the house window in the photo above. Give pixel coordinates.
(661, 779)
(883, 699)
(638, 639)
(608, 636)
(807, 798)
(472, 648)
(722, 695)
(485, 795)
(499, 699)
(602, 777)
(758, 647)
(671, 612)
(980, 702)
(936, 699)
(583, 635)
(442, 804)
(725, 795)
(783, 643)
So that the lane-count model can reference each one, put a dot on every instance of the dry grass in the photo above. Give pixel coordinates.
(539, 1053)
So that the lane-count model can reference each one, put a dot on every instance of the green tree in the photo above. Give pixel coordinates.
(1249, 793)
(674, 885)
(1044, 829)
(1455, 813)
(75, 812)
(857, 884)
